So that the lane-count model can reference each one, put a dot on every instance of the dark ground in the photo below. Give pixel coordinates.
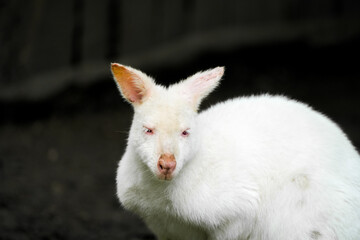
(58, 157)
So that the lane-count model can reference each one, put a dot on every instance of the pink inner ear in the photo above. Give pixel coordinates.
(134, 91)
(206, 81)
(213, 74)
(130, 83)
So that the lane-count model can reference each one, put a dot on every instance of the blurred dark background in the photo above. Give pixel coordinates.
(63, 125)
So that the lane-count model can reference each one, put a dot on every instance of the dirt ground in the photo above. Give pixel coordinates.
(57, 178)
(58, 157)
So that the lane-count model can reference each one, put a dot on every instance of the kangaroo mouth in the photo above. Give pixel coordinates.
(166, 166)
(165, 177)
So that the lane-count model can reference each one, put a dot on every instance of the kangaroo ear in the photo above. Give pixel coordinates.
(198, 86)
(134, 85)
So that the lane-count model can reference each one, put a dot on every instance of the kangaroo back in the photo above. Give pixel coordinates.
(262, 167)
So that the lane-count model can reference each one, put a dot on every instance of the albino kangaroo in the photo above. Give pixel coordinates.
(255, 168)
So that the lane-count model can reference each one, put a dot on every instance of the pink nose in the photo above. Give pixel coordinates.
(166, 164)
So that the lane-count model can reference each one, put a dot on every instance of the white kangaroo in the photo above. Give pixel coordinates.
(255, 168)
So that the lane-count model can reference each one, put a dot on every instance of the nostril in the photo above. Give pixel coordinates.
(171, 165)
(161, 165)
(166, 166)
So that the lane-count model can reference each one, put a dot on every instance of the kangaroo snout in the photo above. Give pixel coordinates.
(166, 166)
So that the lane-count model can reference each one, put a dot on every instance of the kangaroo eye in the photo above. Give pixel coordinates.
(185, 133)
(149, 131)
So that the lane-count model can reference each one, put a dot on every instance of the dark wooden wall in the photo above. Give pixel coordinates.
(47, 45)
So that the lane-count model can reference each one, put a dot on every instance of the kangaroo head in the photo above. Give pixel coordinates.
(163, 131)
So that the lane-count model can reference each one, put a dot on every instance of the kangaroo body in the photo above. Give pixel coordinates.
(253, 168)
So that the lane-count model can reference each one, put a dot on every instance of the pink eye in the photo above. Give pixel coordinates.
(149, 131)
(185, 133)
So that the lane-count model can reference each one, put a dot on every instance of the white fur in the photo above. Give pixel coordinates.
(255, 168)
